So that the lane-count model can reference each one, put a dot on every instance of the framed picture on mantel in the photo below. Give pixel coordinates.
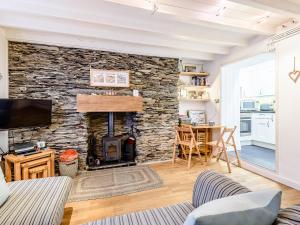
(109, 78)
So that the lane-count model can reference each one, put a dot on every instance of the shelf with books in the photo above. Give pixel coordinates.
(199, 74)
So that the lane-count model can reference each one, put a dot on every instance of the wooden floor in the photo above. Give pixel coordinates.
(178, 185)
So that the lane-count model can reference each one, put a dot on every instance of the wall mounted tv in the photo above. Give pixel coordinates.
(21, 113)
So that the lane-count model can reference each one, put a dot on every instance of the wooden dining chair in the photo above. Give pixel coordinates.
(201, 136)
(222, 144)
(185, 138)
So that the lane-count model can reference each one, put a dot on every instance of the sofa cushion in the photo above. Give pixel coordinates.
(37, 201)
(211, 185)
(170, 215)
(289, 216)
(4, 191)
(253, 208)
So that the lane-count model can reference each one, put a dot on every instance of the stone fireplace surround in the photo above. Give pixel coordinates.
(60, 73)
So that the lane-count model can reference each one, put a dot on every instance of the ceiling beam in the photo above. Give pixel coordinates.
(106, 32)
(198, 17)
(281, 7)
(66, 40)
(132, 18)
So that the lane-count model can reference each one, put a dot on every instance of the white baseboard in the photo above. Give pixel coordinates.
(270, 175)
(264, 145)
(258, 143)
(246, 142)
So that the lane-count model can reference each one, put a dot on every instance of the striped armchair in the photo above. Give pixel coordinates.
(209, 186)
(36, 201)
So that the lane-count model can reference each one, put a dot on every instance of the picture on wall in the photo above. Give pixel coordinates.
(109, 78)
(190, 68)
(197, 116)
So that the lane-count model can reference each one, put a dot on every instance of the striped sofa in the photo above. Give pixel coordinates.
(36, 201)
(209, 186)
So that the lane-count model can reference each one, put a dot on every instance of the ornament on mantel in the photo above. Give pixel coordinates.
(295, 74)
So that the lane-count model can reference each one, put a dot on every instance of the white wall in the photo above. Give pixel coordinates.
(3, 82)
(288, 109)
(256, 46)
(288, 104)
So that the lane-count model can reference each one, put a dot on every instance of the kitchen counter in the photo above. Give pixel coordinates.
(257, 111)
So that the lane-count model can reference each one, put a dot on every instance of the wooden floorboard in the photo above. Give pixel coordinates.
(178, 185)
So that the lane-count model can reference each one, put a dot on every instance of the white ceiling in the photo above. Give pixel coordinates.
(192, 29)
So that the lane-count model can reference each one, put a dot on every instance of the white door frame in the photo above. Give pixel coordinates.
(255, 168)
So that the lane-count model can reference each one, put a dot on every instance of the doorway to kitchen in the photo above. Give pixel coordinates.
(252, 104)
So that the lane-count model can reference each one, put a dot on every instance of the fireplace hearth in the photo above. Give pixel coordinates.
(117, 150)
(111, 150)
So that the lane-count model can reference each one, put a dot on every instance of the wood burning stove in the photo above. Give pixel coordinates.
(112, 145)
(117, 150)
(112, 148)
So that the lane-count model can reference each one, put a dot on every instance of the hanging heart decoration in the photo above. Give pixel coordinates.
(295, 74)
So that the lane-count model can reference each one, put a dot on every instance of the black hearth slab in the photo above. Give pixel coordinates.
(107, 166)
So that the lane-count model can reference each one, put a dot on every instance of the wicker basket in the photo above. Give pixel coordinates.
(68, 168)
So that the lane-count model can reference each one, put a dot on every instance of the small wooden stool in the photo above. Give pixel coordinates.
(36, 171)
(32, 164)
(14, 162)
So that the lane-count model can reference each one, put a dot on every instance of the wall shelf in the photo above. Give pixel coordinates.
(192, 87)
(109, 103)
(194, 100)
(200, 74)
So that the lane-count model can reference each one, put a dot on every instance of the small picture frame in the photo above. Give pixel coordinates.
(109, 78)
(197, 116)
(190, 68)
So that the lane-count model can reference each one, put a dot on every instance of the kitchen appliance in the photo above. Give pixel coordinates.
(249, 105)
(245, 124)
(266, 107)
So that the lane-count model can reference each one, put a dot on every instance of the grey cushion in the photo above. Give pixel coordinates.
(211, 185)
(36, 202)
(4, 191)
(248, 209)
(170, 215)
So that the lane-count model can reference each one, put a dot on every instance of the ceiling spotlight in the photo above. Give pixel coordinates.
(221, 11)
(154, 4)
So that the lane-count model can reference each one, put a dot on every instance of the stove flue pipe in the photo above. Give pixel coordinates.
(111, 126)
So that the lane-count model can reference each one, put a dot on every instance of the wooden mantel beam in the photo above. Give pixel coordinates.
(101, 103)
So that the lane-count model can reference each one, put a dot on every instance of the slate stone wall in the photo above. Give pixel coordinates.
(59, 73)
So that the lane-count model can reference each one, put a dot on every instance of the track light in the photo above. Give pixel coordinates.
(263, 19)
(154, 4)
(221, 11)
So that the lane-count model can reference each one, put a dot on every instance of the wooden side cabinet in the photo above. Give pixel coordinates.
(16, 162)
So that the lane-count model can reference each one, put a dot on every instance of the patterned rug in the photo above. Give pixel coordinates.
(111, 182)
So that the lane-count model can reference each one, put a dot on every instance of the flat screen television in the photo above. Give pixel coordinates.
(21, 113)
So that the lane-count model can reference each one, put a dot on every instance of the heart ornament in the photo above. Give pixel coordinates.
(295, 74)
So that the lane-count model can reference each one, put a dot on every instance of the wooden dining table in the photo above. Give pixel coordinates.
(208, 130)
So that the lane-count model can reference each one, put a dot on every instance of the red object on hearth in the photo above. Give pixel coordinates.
(68, 155)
